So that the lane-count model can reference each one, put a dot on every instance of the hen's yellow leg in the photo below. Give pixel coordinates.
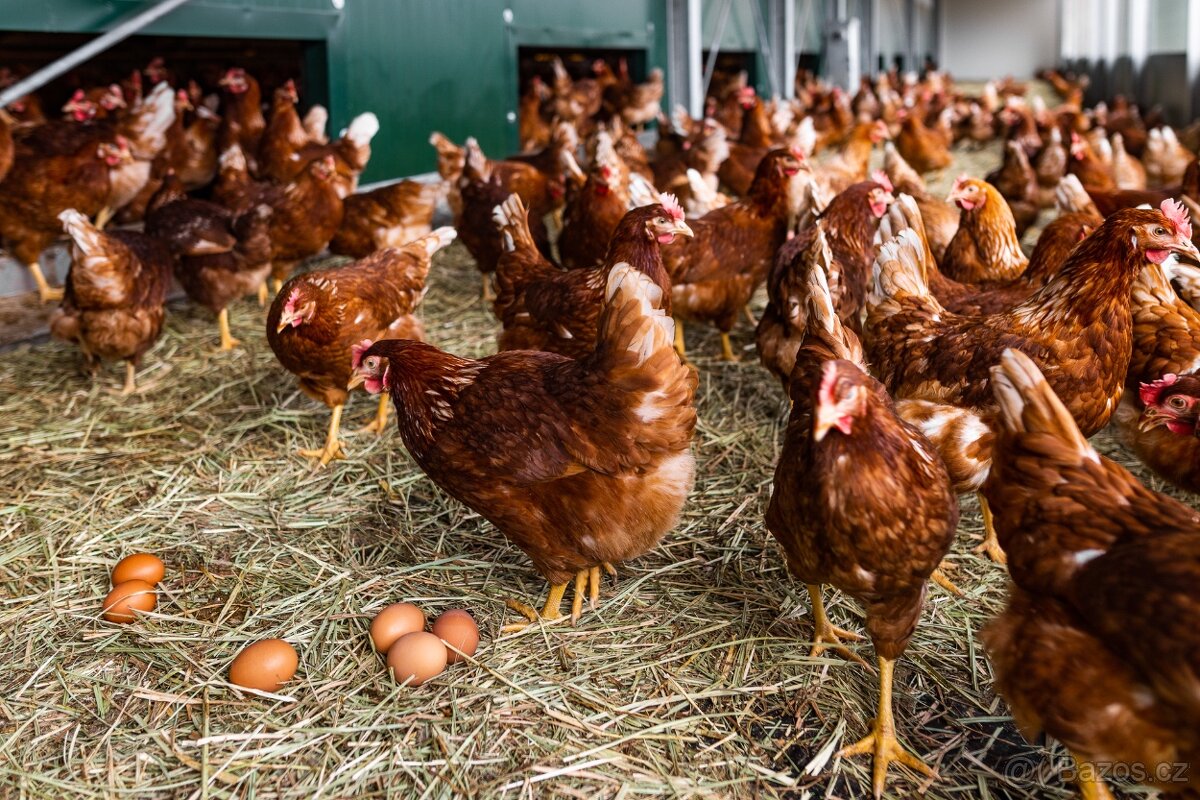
(581, 581)
(130, 384)
(377, 425)
(104, 217)
(727, 348)
(680, 347)
(333, 446)
(753, 320)
(1087, 778)
(991, 543)
(882, 741)
(264, 294)
(549, 613)
(487, 294)
(46, 292)
(227, 340)
(827, 635)
(276, 284)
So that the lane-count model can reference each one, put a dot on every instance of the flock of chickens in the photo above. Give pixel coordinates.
(924, 354)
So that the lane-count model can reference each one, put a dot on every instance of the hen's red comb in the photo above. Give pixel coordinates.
(1174, 211)
(356, 352)
(880, 177)
(1150, 392)
(961, 181)
(671, 204)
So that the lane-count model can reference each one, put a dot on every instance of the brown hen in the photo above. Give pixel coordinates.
(579, 463)
(116, 291)
(1096, 647)
(319, 317)
(861, 501)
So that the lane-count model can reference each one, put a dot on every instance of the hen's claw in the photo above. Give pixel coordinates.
(826, 635)
(46, 292)
(939, 577)
(551, 612)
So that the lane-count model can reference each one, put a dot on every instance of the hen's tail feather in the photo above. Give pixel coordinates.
(436, 240)
(902, 215)
(641, 191)
(512, 219)
(823, 320)
(1028, 405)
(363, 129)
(87, 237)
(899, 270)
(636, 341)
(1070, 195)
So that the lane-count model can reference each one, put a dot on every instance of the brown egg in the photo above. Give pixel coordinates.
(393, 622)
(416, 657)
(456, 627)
(128, 597)
(139, 567)
(265, 665)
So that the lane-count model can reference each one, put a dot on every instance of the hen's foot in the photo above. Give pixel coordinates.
(881, 742)
(826, 635)
(939, 577)
(550, 612)
(333, 446)
(377, 425)
(886, 749)
(991, 543)
(46, 292)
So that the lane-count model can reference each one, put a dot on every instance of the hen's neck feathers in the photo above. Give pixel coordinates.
(1096, 281)
(425, 383)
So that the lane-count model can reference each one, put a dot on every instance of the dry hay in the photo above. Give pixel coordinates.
(692, 677)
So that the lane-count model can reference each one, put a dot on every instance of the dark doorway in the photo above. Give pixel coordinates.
(271, 61)
(578, 62)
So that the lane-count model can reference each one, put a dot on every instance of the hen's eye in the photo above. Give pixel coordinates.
(661, 221)
(1160, 232)
(1177, 402)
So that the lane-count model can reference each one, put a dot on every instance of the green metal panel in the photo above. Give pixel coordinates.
(420, 65)
(268, 19)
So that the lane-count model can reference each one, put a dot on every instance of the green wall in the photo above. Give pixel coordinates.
(420, 65)
(450, 65)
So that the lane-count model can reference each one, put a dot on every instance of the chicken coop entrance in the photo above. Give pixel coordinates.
(202, 59)
(729, 64)
(578, 62)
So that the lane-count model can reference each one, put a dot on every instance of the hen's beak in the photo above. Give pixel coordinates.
(357, 379)
(827, 417)
(285, 319)
(1187, 252)
(682, 229)
(1150, 419)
